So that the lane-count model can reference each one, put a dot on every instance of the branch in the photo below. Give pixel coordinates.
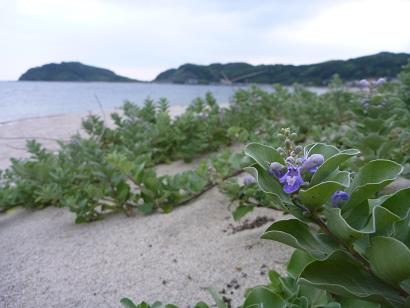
(207, 187)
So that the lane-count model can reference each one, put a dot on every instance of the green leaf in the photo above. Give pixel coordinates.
(218, 300)
(357, 217)
(275, 280)
(381, 221)
(333, 305)
(147, 207)
(262, 297)
(373, 141)
(300, 302)
(339, 227)
(268, 183)
(340, 275)
(241, 211)
(201, 305)
(127, 303)
(297, 234)
(316, 297)
(398, 202)
(371, 178)
(389, 259)
(357, 303)
(307, 148)
(401, 230)
(167, 208)
(263, 154)
(297, 263)
(326, 150)
(122, 192)
(316, 196)
(331, 164)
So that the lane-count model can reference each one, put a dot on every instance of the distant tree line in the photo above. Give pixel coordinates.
(383, 64)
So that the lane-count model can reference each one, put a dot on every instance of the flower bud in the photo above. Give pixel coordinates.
(298, 149)
(277, 169)
(300, 160)
(290, 160)
(339, 197)
(317, 159)
(380, 82)
(364, 83)
(248, 180)
(313, 162)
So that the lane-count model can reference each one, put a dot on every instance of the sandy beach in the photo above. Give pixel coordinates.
(47, 130)
(48, 261)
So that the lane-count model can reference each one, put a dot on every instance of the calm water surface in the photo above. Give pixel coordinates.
(20, 100)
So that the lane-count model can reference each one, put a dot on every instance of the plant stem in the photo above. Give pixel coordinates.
(353, 253)
(207, 187)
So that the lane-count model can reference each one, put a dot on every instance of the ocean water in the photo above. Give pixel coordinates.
(19, 100)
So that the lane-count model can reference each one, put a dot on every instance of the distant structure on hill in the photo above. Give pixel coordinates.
(71, 71)
(384, 64)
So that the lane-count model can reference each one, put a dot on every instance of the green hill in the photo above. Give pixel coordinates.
(384, 64)
(71, 71)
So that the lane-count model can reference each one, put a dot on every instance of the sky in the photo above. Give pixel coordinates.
(140, 39)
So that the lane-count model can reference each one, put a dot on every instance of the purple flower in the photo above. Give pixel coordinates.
(380, 81)
(364, 84)
(292, 180)
(301, 160)
(339, 197)
(248, 180)
(313, 162)
(277, 169)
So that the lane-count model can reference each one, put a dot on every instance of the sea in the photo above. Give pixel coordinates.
(28, 99)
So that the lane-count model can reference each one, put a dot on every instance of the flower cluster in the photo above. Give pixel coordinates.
(291, 176)
(365, 84)
(299, 168)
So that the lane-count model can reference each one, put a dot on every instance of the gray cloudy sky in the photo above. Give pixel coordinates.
(139, 39)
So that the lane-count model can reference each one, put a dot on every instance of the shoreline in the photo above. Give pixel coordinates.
(31, 118)
(174, 110)
(48, 130)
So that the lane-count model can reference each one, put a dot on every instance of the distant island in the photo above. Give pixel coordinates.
(71, 71)
(384, 64)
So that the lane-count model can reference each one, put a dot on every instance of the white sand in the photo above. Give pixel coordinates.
(48, 261)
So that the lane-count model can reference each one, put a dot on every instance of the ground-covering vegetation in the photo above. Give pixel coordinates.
(346, 230)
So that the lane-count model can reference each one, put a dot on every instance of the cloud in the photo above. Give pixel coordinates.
(352, 28)
(141, 38)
